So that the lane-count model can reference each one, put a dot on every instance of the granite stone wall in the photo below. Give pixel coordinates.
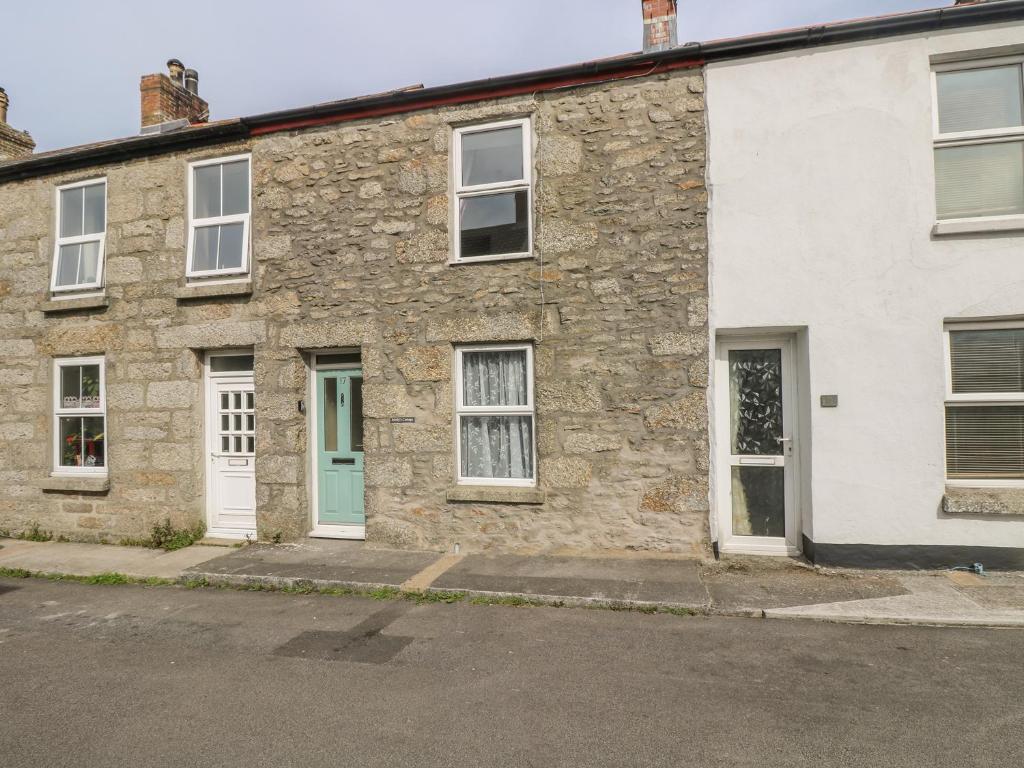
(351, 250)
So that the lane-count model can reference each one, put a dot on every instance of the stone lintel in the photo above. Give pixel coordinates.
(212, 335)
(190, 290)
(76, 484)
(983, 501)
(496, 494)
(93, 301)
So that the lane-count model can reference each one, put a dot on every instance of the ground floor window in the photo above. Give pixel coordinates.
(80, 415)
(495, 415)
(985, 403)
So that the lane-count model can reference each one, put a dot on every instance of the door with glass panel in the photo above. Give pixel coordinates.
(339, 440)
(756, 418)
(231, 434)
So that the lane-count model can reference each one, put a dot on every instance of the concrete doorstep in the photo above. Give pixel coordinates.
(747, 587)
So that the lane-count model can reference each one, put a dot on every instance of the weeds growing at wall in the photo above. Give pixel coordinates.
(168, 538)
(35, 533)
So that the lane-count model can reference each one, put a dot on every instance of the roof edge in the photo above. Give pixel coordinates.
(122, 149)
(633, 65)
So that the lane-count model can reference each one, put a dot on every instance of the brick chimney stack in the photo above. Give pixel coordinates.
(13, 144)
(659, 25)
(172, 101)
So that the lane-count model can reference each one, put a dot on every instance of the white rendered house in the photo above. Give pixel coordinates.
(867, 298)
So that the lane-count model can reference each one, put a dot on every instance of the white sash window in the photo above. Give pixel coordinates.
(495, 415)
(80, 416)
(493, 191)
(979, 144)
(219, 194)
(985, 404)
(81, 236)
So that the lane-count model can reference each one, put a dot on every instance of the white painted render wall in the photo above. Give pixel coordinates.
(821, 179)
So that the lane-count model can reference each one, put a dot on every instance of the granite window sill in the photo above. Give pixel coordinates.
(496, 494)
(983, 501)
(191, 290)
(77, 483)
(93, 301)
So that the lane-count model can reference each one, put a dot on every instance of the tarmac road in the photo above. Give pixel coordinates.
(133, 676)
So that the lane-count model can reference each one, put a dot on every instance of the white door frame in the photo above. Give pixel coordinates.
(318, 531)
(209, 429)
(757, 545)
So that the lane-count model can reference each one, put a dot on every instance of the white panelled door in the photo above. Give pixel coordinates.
(231, 437)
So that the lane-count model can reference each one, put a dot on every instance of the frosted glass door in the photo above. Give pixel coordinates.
(757, 489)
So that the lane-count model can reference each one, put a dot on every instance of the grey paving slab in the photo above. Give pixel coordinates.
(931, 600)
(742, 590)
(93, 559)
(674, 581)
(324, 560)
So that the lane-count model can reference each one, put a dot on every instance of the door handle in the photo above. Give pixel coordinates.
(787, 445)
(343, 461)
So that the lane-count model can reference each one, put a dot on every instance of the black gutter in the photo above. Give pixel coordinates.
(120, 150)
(937, 20)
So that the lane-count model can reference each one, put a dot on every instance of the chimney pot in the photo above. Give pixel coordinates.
(4, 101)
(192, 81)
(659, 25)
(175, 69)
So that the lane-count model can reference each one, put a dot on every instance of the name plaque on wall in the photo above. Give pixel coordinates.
(403, 420)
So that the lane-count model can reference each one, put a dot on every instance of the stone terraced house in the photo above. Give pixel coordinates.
(467, 317)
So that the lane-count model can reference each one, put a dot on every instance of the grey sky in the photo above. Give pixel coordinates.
(72, 68)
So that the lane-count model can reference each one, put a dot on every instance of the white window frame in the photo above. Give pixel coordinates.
(461, 192)
(511, 410)
(975, 398)
(59, 241)
(973, 138)
(194, 223)
(59, 412)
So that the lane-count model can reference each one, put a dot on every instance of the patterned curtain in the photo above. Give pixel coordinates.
(493, 445)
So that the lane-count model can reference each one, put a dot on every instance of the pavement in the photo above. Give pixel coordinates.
(94, 559)
(156, 677)
(753, 587)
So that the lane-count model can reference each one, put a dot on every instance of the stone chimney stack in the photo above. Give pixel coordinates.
(659, 25)
(172, 101)
(13, 144)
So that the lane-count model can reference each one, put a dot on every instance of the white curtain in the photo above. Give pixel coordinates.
(496, 446)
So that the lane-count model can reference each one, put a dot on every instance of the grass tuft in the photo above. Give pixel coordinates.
(35, 533)
(513, 601)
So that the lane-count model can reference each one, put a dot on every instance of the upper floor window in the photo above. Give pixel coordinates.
(219, 192)
(985, 403)
(979, 139)
(493, 195)
(80, 415)
(81, 235)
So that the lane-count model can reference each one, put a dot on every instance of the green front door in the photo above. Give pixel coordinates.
(340, 447)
